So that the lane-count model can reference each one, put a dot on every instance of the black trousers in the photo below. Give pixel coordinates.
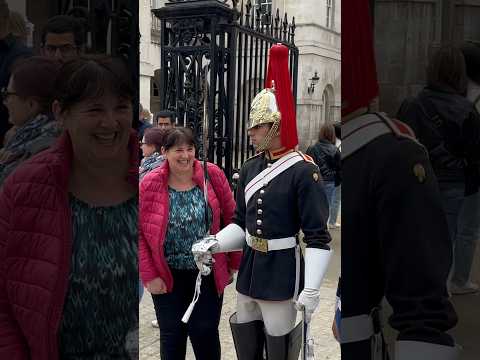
(202, 327)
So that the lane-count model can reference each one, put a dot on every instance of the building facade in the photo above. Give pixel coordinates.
(317, 37)
(406, 35)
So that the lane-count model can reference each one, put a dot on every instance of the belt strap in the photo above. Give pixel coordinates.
(360, 132)
(276, 244)
(356, 328)
(267, 175)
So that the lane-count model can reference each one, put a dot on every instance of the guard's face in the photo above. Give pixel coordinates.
(258, 133)
(180, 158)
(99, 128)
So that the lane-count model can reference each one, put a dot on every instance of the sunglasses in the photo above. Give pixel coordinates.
(4, 93)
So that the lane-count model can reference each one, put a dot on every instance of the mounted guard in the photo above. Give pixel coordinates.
(279, 193)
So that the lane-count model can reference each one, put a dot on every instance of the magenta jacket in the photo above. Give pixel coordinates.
(154, 211)
(36, 250)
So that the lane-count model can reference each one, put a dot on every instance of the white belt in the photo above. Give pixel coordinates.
(265, 245)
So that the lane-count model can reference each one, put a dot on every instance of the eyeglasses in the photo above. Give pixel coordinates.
(4, 93)
(64, 49)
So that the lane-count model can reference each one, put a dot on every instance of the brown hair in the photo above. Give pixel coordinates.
(35, 77)
(327, 132)
(91, 77)
(178, 136)
(154, 136)
(447, 70)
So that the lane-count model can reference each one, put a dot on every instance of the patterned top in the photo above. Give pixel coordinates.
(149, 163)
(186, 224)
(29, 139)
(101, 306)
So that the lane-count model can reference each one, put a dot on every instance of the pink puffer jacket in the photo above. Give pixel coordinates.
(154, 211)
(35, 251)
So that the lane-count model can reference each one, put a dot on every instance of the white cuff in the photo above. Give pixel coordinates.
(230, 238)
(316, 264)
(418, 350)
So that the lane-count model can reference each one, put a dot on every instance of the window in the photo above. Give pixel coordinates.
(265, 6)
(330, 5)
(326, 107)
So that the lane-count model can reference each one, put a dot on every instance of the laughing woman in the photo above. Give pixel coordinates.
(172, 213)
(68, 227)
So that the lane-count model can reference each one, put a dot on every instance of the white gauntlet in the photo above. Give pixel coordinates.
(202, 253)
(316, 264)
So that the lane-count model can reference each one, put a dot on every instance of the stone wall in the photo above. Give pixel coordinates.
(406, 35)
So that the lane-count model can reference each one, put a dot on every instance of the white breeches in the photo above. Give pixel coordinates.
(278, 316)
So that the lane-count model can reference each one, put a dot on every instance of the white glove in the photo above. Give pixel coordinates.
(202, 253)
(308, 300)
(316, 264)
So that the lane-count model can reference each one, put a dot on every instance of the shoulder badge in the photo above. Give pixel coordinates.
(419, 172)
(316, 177)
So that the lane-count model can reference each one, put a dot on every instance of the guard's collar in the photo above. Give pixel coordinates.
(277, 154)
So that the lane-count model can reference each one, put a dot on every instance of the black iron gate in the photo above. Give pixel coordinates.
(111, 27)
(230, 47)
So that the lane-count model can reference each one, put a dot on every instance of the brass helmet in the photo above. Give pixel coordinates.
(275, 104)
(264, 110)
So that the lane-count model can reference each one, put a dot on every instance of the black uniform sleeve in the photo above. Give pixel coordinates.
(417, 252)
(312, 206)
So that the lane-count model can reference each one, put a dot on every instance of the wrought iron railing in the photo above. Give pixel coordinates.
(233, 42)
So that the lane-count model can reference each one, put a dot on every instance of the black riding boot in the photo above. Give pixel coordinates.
(286, 347)
(249, 338)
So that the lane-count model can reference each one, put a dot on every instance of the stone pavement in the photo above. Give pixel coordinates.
(326, 347)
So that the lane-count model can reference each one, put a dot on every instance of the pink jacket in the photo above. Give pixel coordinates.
(154, 211)
(35, 251)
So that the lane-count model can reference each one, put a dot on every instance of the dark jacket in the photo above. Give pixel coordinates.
(447, 124)
(327, 157)
(395, 237)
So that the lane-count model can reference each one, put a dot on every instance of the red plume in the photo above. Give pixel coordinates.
(278, 72)
(359, 77)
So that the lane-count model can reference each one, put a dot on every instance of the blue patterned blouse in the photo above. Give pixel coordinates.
(101, 307)
(186, 224)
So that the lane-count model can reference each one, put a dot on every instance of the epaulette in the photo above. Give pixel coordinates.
(366, 128)
(399, 128)
(306, 157)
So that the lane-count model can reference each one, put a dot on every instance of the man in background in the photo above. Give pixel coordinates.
(63, 38)
(164, 120)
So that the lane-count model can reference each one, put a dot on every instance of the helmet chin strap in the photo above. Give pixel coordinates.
(274, 131)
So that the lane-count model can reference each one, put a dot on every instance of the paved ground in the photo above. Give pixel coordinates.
(326, 346)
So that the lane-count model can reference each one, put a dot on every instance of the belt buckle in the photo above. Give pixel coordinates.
(259, 244)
